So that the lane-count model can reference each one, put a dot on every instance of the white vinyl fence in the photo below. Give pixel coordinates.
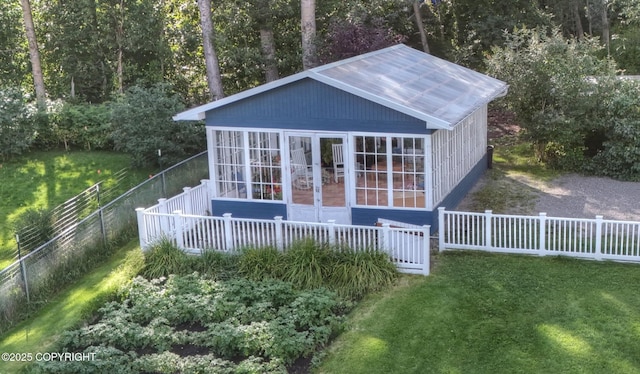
(598, 238)
(408, 248)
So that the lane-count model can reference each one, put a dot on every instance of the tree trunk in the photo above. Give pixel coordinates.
(119, 41)
(605, 26)
(269, 54)
(34, 54)
(578, 21)
(308, 26)
(423, 35)
(214, 79)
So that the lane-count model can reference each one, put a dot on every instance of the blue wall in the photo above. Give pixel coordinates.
(248, 209)
(311, 105)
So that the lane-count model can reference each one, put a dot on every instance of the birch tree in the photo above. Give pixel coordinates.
(308, 26)
(214, 78)
(36, 69)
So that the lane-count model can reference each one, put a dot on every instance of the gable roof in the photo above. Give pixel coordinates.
(401, 78)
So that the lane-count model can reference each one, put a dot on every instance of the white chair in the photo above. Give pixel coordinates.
(338, 161)
(301, 173)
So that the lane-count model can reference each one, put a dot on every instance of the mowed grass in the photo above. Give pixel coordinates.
(487, 313)
(71, 307)
(43, 180)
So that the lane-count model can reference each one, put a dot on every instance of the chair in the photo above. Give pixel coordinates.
(338, 161)
(301, 173)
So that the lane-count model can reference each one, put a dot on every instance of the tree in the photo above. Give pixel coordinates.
(142, 124)
(418, 17)
(36, 69)
(308, 27)
(553, 94)
(211, 58)
(13, 53)
(351, 37)
(262, 13)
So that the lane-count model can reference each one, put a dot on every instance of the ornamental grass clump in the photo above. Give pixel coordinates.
(307, 264)
(357, 273)
(165, 258)
(261, 263)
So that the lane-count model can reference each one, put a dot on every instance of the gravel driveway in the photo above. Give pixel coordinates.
(585, 197)
(578, 196)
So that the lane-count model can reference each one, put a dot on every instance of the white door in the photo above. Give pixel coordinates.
(317, 183)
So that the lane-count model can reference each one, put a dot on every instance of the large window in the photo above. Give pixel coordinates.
(266, 175)
(248, 156)
(230, 165)
(389, 171)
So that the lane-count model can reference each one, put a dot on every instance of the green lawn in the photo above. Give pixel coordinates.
(47, 179)
(68, 309)
(483, 313)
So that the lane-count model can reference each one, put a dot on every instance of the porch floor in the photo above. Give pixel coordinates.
(369, 191)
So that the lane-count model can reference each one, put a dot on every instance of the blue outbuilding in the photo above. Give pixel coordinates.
(392, 134)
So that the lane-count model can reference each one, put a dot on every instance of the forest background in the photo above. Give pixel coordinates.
(112, 72)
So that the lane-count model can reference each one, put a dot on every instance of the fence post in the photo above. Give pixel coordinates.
(279, 238)
(598, 248)
(23, 270)
(543, 233)
(228, 232)
(441, 230)
(188, 207)
(179, 222)
(487, 230)
(332, 231)
(426, 232)
(385, 232)
(142, 229)
(164, 220)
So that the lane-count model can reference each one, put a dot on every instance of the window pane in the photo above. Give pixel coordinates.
(230, 164)
(264, 163)
(371, 163)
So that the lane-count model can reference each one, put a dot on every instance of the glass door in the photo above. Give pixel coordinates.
(317, 181)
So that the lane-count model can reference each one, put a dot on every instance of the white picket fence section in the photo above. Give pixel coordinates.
(193, 200)
(598, 238)
(183, 219)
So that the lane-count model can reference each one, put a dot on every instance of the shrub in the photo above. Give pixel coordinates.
(34, 227)
(142, 124)
(82, 125)
(164, 259)
(17, 129)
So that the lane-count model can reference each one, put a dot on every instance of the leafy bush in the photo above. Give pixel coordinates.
(142, 124)
(17, 128)
(34, 227)
(237, 326)
(82, 125)
(552, 91)
(164, 259)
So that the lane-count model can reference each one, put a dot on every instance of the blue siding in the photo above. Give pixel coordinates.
(310, 105)
(248, 209)
(369, 216)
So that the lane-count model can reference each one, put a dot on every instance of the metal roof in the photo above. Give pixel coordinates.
(404, 79)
